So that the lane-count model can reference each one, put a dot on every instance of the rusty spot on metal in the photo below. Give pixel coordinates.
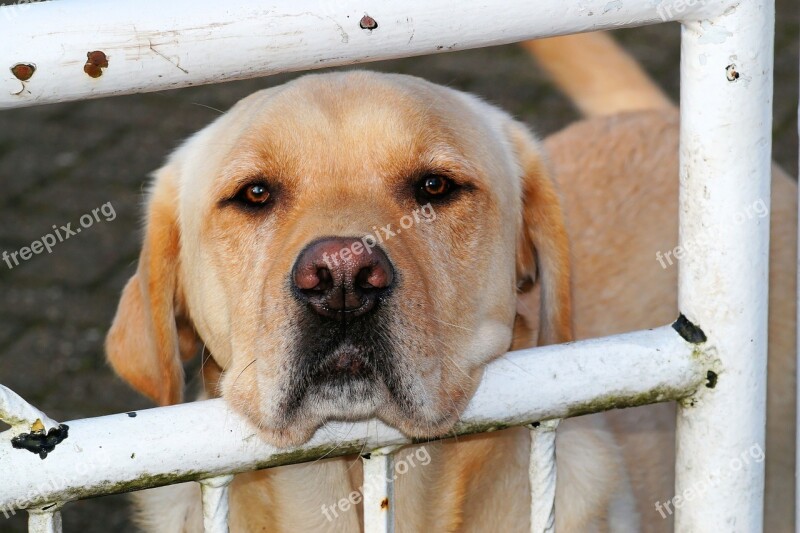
(40, 442)
(731, 73)
(95, 63)
(384, 504)
(23, 71)
(368, 23)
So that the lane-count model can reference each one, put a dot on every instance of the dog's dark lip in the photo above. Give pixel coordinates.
(347, 358)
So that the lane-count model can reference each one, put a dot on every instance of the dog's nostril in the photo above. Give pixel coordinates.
(325, 280)
(373, 277)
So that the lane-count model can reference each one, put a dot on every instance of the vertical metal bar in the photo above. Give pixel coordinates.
(41, 521)
(726, 117)
(215, 503)
(542, 475)
(378, 491)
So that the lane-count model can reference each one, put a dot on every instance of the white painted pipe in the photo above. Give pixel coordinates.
(542, 475)
(198, 440)
(726, 117)
(77, 49)
(215, 503)
(49, 521)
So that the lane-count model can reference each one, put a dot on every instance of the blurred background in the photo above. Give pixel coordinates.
(58, 162)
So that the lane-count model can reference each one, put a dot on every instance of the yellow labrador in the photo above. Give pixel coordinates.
(351, 245)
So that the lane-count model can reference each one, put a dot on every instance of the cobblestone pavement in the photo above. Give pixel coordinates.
(59, 162)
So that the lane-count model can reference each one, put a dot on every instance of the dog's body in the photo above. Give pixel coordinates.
(479, 483)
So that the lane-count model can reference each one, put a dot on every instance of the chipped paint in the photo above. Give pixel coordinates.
(95, 63)
(23, 71)
(713, 34)
(690, 332)
(368, 23)
(615, 5)
(40, 442)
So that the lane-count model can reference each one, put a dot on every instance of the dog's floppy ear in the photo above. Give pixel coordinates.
(542, 248)
(150, 334)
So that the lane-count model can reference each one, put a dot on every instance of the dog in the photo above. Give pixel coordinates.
(287, 262)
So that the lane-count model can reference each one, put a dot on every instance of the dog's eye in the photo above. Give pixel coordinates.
(434, 187)
(255, 194)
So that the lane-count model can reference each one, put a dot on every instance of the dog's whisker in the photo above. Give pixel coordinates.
(452, 325)
(208, 107)
(339, 442)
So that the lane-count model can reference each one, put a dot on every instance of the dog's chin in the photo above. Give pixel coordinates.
(349, 401)
(431, 425)
(301, 430)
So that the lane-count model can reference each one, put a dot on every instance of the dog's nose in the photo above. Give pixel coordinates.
(340, 276)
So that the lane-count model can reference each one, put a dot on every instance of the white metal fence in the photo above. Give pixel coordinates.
(712, 361)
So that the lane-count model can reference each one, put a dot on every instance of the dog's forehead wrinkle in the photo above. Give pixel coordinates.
(354, 116)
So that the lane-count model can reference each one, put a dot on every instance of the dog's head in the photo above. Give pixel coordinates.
(345, 246)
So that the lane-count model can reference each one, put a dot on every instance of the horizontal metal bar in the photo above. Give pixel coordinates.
(193, 441)
(72, 49)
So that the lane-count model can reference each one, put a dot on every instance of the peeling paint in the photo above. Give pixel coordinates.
(368, 23)
(39, 442)
(690, 332)
(95, 63)
(23, 71)
(712, 34)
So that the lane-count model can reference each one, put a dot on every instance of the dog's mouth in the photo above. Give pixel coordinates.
(346, 362)
(341, 371)
(356, 371)
(348, 372)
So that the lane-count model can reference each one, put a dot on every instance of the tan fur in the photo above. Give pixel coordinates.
(599, 77)
(150, 334)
